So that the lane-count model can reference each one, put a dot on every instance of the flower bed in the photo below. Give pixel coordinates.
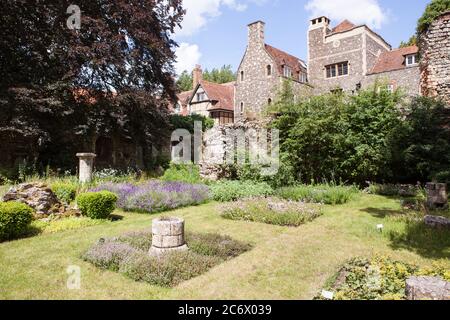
(271, 211)
(379, 278)
(324, 193)
(128, 254)
(156, 196)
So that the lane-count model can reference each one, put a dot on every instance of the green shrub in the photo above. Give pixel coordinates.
(14, 219)
(188, 173)
(70, 223)
(65, 191)
(233, 190)
(393, 190)
(378, 278)
(271, 211)
(97, 205)
(324, 193)
(433, 10)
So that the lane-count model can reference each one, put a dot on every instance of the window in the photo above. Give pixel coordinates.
(177, 108)
(242, 75)
(242, 108)
(390, 88)
(269, 70)
(412, 59)
(337, 70)
(287, 72)
(303, 77)
(337, 91)
(201, 96)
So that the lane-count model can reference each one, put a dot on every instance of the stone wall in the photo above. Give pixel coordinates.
(408, 80)
(435, 58)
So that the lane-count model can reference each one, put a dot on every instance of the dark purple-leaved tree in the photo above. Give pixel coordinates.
(56, 79)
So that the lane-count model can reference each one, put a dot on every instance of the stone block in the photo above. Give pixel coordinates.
(427, 288)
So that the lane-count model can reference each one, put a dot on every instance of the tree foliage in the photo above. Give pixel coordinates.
(223, 75)
(362, 137)
(411, 42)
(433, 10)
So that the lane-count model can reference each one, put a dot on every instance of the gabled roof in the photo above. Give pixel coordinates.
(343, 26)
(183, 99)
(220, 95)
(282, 58)
(393, 60)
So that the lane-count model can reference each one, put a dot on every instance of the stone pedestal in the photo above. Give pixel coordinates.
(436, 195)
(167, 236)
(86, 166)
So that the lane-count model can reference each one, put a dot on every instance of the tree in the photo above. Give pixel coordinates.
(185, 81)
(222, 75)
(55, 81)
(432, 11)
(411, 42)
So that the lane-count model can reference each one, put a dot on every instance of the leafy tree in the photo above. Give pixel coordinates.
(338, 137)
(222, 75)
(433, 10)
(411, 42)
(55, 82)
(185, 81)
(421, 145)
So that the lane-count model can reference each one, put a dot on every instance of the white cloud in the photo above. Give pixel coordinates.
(188, 55)
(358, 11)
(200, 12)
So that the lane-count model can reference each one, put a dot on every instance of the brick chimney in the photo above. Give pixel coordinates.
(197, 75)
(256, 34)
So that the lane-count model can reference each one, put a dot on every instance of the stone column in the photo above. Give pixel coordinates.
(168, 236)
(86, 166)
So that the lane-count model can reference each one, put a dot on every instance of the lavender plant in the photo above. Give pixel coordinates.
(156, 196)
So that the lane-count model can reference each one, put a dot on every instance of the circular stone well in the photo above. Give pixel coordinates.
(167, 236)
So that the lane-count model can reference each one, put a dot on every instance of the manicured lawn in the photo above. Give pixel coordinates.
(285, 263)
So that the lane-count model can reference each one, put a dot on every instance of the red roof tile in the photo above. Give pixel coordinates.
(343, 26)
(282, 58)
(393, 60)
(184, 98)
(221, 95)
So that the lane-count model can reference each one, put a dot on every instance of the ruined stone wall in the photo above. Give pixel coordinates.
(435, 58)
(408, 80)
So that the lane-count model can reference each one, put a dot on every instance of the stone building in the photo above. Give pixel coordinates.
(350, 57)
(261, 73)
(435, 58)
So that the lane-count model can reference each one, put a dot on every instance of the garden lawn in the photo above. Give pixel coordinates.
(285, 263)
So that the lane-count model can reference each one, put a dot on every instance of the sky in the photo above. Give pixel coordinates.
(214, 32)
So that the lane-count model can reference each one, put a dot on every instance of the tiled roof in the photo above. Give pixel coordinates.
(393, 60)
(343, 26)
(221, 95)
(184, 98)
(282, 58)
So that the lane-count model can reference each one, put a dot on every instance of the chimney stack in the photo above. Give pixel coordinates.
(256, 34)
(197, 75)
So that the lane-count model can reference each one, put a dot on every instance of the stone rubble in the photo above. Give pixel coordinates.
(41, 198)
(427, 288)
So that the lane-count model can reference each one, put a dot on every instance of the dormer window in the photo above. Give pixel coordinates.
(201, 96)
(303, 78)
(287, 72)
(412, 59)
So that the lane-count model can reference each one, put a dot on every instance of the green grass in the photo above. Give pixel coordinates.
(285, 263)
(321, 193)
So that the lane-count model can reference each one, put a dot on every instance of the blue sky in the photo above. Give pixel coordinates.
(214, 32)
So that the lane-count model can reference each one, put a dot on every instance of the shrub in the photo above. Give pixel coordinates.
(157, 196)
(128, 254)
(271, 211)
(432, 11)
(70, 223)
(233, 190)
(14, 219)
(183, 173)
(324, 193)
(66, 192)
(97, 205)
(393, 190)
(379, 278)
